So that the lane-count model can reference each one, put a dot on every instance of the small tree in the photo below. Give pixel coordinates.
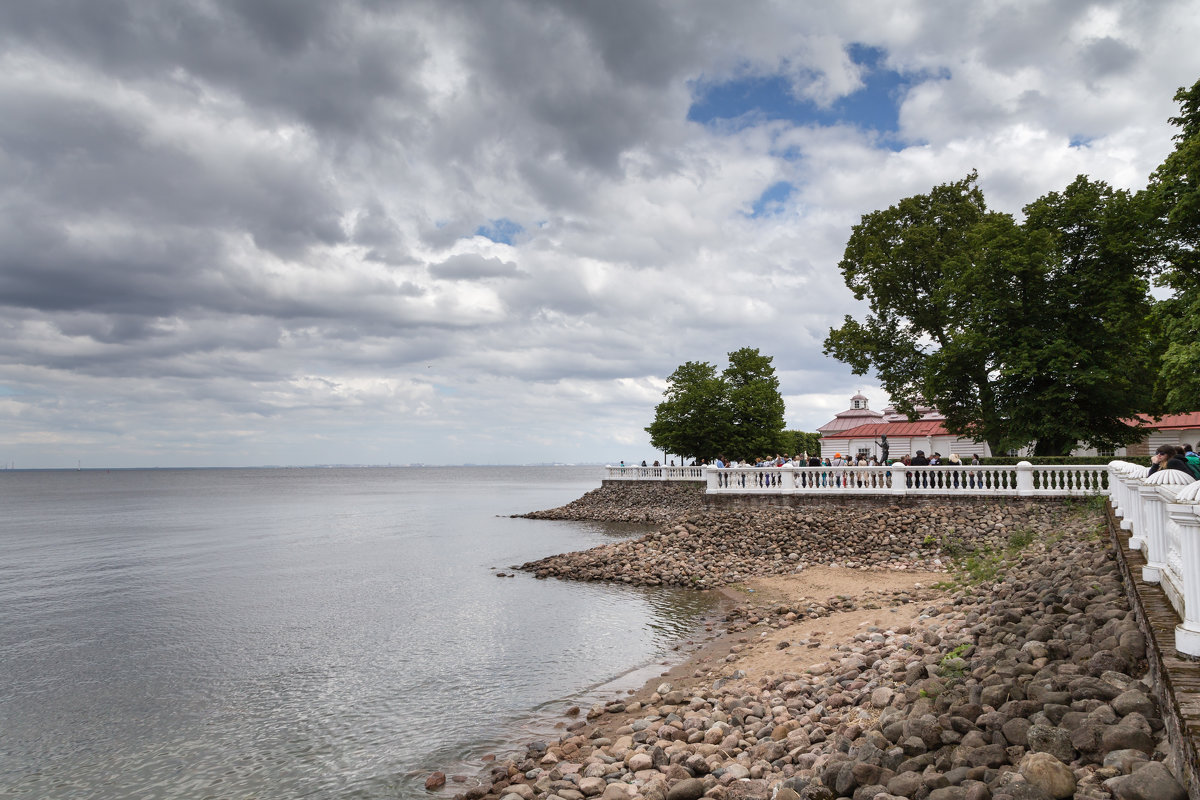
(738, 413)
(693, 421)
(755, 405)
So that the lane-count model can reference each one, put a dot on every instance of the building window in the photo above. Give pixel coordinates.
(863, 452)
(1107, 452)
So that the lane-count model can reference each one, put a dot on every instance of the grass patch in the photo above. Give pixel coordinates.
(952, 665)
(972, 565)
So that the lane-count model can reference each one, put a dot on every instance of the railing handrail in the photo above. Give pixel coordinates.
(1022, 479)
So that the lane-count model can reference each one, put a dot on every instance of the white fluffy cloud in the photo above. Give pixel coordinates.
(449, 232)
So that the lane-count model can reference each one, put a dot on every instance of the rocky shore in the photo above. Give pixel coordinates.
(654, 502)
(718, 547)
(1027, 686)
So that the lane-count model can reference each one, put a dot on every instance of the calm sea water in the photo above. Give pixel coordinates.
(279, 633)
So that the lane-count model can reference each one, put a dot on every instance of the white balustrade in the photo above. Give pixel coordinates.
(1183, 567)
(1020, 480)
(1162, 514)
(1118, 495)
(1131, 478)
(654, 473)
(1153, 515)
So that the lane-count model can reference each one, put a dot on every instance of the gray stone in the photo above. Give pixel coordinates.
(1055, 741)
(1020, 791)
(816, 791)
(948, 793)
(686, 789)
(1134, 701)
(1152, 782)
(1049, 774)
(1125, 760)
(1126, 737)
(593, 786)
(1016, 731)
(905, 784)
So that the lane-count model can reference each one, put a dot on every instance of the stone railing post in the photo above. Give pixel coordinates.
(1185, 512)
(1155, 492)
(1024, 479)
(712, 480)
(1116, 489)
(1131, 479)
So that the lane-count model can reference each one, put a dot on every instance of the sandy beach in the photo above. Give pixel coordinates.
(1020, 674)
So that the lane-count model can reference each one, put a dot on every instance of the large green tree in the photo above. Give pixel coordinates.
(923, 266)
(1018, 333)
(1083, 361)
(693, 420)
(738, 412)
(1174, 197)
(755, 405)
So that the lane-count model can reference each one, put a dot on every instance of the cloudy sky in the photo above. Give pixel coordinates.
(244, 232)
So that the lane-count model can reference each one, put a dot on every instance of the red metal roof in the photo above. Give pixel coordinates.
(931, 427)
(1169, 422)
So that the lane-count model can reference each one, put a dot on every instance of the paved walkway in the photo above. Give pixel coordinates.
(1177, 677)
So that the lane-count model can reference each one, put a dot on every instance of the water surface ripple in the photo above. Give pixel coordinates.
(282, 633)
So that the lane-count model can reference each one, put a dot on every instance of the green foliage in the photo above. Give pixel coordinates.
(974, 564)
(1019, 539)
(800, 442)
(952, 665)
(1017, 333)
(756, 407)
(738, 412)
(1173, 196)
(693, 420)
(1083, 361)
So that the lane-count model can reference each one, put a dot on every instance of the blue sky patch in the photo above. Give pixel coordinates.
(875, 107)
(499, 230)
(771, 202)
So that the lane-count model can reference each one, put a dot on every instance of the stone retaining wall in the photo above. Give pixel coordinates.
(717, 546)
(865, 501)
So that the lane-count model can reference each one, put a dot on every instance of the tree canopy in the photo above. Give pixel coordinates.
(1173, 196)
(738, 412)
(1018, 333)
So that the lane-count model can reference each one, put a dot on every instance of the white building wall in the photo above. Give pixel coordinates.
(900, 446)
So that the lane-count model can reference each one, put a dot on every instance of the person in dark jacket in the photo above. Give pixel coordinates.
(1167, 457)
(919, 460)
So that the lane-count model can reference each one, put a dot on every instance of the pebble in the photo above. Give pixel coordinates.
(701, 548)
(1028, 686)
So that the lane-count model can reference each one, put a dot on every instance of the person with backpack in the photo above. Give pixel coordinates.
(1192, 459)
(1167, 457)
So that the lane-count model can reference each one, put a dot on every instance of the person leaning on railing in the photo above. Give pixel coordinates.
(1169, 457)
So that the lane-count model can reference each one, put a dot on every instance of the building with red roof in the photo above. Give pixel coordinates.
(860, 431)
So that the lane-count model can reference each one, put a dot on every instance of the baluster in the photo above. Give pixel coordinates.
(1185, 512)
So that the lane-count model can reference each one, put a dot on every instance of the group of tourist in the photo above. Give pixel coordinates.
(1181, 458)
